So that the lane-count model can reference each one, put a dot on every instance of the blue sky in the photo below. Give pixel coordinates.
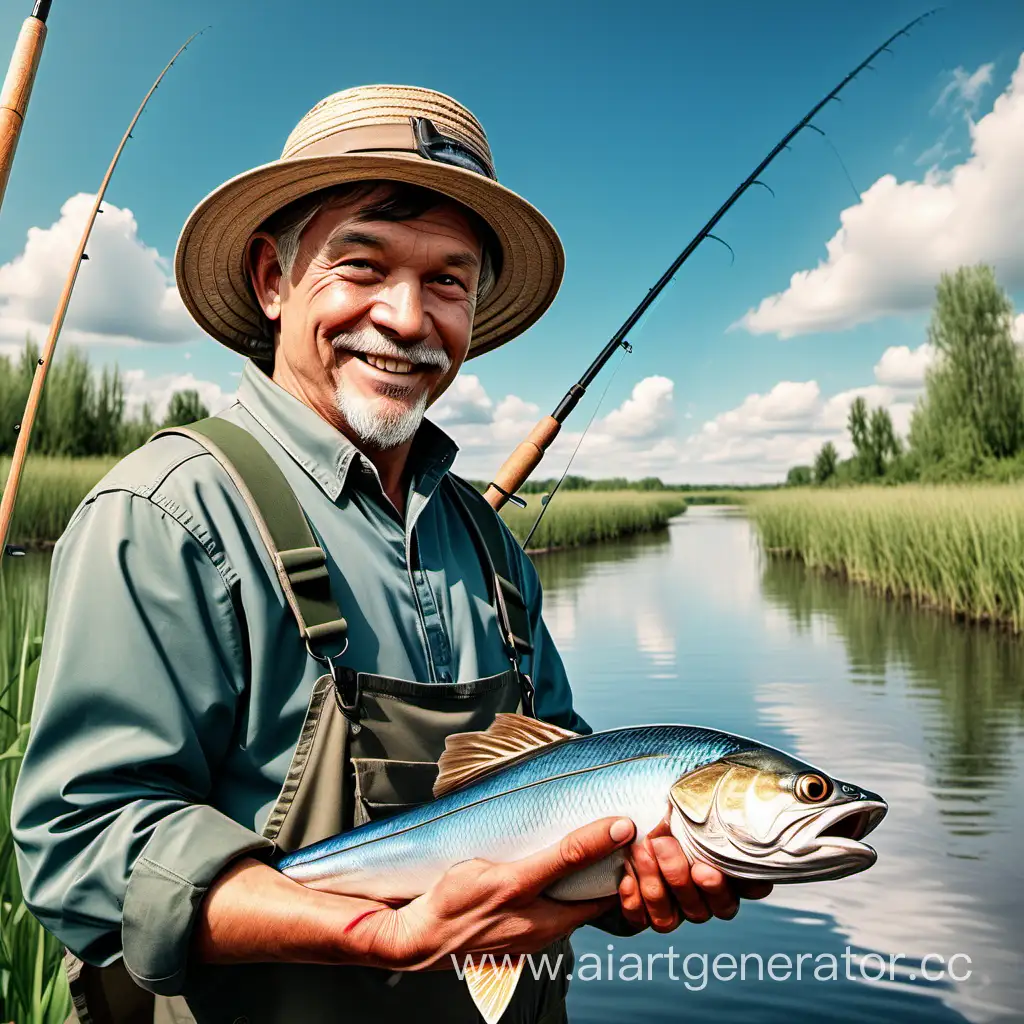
(626, 125)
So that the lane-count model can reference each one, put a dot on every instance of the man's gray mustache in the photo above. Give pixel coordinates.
(374, 344)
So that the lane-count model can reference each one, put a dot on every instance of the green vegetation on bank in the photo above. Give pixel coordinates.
(959, 549)
(32, 985)
(81, 413)
(584, 517)
(969, 424)
(51, 489)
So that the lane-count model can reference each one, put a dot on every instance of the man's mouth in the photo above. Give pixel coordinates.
(389, 364)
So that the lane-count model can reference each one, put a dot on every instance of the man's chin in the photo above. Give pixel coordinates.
(381, 423)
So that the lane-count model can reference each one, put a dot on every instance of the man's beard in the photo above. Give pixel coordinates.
(378, 423)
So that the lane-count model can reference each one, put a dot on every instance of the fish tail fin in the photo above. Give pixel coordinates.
(492, 983)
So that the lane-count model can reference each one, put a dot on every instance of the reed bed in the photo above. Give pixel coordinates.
(51, 489)
(32, 985)
(959, 549)
(585, 517)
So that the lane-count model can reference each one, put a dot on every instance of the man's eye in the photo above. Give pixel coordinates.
(449, 279)
(358, 264)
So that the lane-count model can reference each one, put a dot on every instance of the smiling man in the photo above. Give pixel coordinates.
(263, 629)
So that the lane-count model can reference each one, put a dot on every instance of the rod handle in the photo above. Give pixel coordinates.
(16, 91)
(522, 462)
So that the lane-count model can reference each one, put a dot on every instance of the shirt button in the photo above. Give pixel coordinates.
(445, 677)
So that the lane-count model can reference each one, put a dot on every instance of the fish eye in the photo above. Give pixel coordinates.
(812, 788)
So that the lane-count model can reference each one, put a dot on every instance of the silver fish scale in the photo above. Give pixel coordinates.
(518, 810)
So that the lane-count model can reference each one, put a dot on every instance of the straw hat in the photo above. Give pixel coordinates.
(392, 132)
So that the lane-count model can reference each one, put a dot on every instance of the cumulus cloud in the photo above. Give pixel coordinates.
(1018, 329)
(766, 434)
(903, 367)
(123, 295)
(635, 439)
(892, 246)
(140, 388)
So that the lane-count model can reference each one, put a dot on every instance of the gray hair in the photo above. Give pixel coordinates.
(402, 202)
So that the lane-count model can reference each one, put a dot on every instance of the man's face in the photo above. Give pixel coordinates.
(375, 318)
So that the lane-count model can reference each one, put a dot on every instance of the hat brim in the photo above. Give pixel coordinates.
(209, 262)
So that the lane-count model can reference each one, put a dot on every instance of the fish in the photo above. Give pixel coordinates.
(522, 785)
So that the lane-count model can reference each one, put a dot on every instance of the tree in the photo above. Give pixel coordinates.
(973, 407)
(857, 423)
(186, 407)
(798, 476)
(825, 463)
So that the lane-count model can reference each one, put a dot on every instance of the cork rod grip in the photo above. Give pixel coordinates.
(523, 461)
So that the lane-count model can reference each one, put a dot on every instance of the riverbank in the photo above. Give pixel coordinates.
(956, 549)
(52, 488)
(578, 518)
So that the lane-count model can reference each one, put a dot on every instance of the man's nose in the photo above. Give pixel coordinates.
(398, 312)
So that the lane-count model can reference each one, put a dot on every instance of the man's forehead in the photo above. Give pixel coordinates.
(358, 224)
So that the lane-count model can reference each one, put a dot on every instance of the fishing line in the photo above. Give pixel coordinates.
(546, 499)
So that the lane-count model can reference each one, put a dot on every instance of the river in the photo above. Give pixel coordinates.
(692, 625)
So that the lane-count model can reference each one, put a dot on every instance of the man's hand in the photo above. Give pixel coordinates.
(254, 913)
(661, 890)
(482, 907)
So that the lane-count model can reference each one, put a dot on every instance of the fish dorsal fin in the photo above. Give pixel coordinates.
(469, 755)
(492, 983)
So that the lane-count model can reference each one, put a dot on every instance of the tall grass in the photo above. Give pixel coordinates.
(960, 549)
(584, 517)
(51, 489)
(32, 985)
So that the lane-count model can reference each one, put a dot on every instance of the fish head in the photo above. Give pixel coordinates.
(761, 814)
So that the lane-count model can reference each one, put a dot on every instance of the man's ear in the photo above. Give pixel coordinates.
(264, 270)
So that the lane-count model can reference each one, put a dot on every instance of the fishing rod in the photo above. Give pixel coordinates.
(17, 90)
(24, 428)
(528, 454)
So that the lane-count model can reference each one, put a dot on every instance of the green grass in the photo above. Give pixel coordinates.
(959, 549)
(32, 985)
(51, 489)
(584, 517)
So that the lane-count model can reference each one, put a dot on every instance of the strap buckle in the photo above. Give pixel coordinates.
(346, 682)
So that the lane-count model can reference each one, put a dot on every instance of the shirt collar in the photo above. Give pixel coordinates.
(322, 450)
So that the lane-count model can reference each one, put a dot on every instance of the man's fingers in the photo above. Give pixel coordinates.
(715, 888)
(751, 890)
(675, 869)
(579, 849)
(631, 901)
(657, 899)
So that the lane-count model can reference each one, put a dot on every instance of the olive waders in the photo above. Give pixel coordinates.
(368, 749)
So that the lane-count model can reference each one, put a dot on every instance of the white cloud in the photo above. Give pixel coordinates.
(766, 434)
(140, 388)
(902, 367)
(123, 295)
(645, 413)
(892, 246)
(636, 439)
(1018, 329)
(464, 402)
(964, 88)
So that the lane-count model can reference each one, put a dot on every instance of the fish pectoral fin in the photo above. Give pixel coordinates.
(469, 755)
(492, 984)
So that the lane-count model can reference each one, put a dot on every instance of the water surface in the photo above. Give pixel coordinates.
(692, 626)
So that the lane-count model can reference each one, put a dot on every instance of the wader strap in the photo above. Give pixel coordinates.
(299, 560)
(490, 538)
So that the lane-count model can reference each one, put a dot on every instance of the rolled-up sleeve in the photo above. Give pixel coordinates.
(554, 702)
(139, 682)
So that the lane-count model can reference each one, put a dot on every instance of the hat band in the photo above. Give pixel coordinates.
(419, 136)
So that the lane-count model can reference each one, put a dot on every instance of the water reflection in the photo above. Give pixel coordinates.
(976, 674)
(904, 702)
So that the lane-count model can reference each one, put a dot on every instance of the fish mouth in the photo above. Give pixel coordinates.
(839, 828)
